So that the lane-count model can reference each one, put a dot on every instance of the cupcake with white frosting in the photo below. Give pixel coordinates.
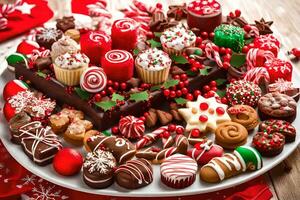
(176, 39)
(69, 67)
(153, 66)
(62, 46)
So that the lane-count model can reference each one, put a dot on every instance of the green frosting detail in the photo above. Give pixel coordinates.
(16, 58)
(250, 155)
(229, 36)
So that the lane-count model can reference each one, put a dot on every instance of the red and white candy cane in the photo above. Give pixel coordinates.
(143, 7)
(3, 23)
(99, 9)
(151, 137)
(256, 74)
(5, 11)
(165, 153)
(39, 54)
(253, 56)
(212, 54)
(254, 32)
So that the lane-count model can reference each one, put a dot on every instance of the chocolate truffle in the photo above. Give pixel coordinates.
(15, 123)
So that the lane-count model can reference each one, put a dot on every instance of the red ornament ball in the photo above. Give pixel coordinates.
(67, 162)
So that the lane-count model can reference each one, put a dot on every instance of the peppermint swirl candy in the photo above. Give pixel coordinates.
(126, 24)
(118, 56)
(98, 37)
(131, 127)
(93, 79)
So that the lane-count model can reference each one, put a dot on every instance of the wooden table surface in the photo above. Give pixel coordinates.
(285, 14)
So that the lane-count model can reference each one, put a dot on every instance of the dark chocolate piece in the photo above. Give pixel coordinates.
(104, 120)
(15, 123)
(47, 36)
(134, 174)
(98, 169)
(178, 12)
(264, 26)
(43, 63)
(65, 23)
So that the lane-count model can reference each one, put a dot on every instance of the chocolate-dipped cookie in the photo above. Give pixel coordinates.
(47, 36)
(39, 143)
(279, 126)
(277, 106)
(134, 174)
(268, 144)
(121, 148)
(19, 120)
(98, 169)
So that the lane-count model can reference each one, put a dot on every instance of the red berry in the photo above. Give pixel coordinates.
(197, 64)
(197, 93)
(231, 15)
(222, 50)
(110, 90)
(204, 35)
(210, 93)
(247, 28)
(216, 48)
(205, 95)
(206, 88)
(109, 82)
(70, 156)
(171, 127)
(172, 94)
(228, 51)
(189, 97)
(213, 84)
(226, 65)
(178, 93)
(237, 13)
(146, 114)
(184, 90)
(194, 69)
(186, 82)
(220, 111)
(191, 60)
(227, 58)
(123, 86)
(202, 46)
(166, 134)
(214, 89)
(251, 45)
(115, 130)
(203, 118)
(224, 100)
(116, 85)
(159, 6)
(180, 84)
(97, 97)
(177, 77)
(103, 93)
(142, 118)
(198, 40)
(211, 35)
(195, 133)
(203, 106)
(179, 130)
(166, 93)
(183, 77)
(245, 49)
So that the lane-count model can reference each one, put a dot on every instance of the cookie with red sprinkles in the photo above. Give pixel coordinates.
(279, 126)
(243, 92)
(268, 144)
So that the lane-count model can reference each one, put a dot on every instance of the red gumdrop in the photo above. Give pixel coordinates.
(67, 162)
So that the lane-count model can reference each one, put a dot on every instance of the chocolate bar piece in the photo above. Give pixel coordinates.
(104, 120)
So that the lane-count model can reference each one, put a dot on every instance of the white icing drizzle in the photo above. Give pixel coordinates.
(99, 161)
(48, 34)
(126, 24)
(118, 56)
(153, 59)
(98, 37)
(72, 61)
(178, 167)
(98, 181)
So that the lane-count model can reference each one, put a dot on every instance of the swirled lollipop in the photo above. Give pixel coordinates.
(93, 79)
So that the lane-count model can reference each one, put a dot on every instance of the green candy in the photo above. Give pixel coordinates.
(229, 36)
(15, 58)
(251, 157)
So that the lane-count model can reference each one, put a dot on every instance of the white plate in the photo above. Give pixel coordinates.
(154, 189)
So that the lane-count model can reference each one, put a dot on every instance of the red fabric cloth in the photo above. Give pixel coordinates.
(79, 6)
(19, 23)
(16, 181)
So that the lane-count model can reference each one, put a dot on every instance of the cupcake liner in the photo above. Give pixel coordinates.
(68, 77)
(152, 77)
(172, 51)
(178, 184)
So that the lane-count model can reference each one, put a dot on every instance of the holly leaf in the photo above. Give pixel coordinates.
(154, 44)
(106, 105)
(170, 83)
(82, 93)
(139, 96)
(238, 59)
(157, 34)
(180, 100)
(191, 73)
(220, 81)
(41, 74)
(221, 93)
(248, 41)
(179, 59)
(204, 71)
(117, 97)
(155, 88)
(136, 51)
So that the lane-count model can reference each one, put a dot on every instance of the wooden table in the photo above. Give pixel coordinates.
(285, 14)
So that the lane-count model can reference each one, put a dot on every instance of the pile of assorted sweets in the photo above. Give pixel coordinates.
(149, 91)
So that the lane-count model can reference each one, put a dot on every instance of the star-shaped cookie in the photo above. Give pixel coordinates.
(204, 114)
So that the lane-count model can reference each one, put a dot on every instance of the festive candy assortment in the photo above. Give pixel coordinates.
(149, 91)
